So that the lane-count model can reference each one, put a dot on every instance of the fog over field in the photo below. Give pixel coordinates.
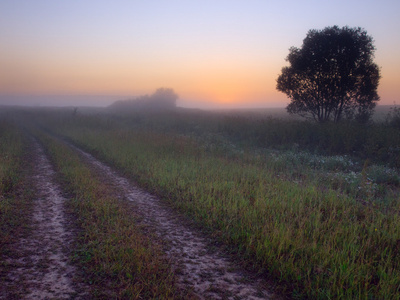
(105, 100)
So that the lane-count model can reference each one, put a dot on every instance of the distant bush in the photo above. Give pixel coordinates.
(162, 98)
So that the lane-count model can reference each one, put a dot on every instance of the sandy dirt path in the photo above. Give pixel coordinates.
(209, 274)
(39, 265)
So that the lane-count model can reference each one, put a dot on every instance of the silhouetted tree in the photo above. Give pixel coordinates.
(332, 75)
(162, 98)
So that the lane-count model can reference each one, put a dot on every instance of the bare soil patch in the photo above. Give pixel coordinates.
(39, 264)
(199, 267)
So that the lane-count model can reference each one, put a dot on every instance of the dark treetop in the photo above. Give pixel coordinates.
(332, 76)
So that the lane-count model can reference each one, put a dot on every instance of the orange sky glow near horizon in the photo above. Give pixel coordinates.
(225, 53)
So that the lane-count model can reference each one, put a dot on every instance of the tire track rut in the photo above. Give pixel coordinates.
(209, 274)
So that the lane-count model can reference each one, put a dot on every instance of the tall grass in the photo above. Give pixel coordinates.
(117, 256)
(379, 142)
(14, 189)
(318, 241)
(11, 148)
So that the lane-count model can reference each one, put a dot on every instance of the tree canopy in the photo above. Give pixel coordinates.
(332, 76)
(162, 98)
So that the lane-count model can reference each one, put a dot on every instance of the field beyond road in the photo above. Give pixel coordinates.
(313, 208)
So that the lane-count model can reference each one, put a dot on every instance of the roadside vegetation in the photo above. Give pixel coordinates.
(117, 256)
(320, 218)
(14, 189)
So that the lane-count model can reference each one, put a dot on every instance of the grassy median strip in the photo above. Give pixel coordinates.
(117, 257)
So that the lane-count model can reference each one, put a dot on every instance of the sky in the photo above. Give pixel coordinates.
(212, 53)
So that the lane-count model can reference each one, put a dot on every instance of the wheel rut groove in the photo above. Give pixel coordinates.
(208, 274)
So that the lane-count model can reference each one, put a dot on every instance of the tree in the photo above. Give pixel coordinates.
(332, 75)
(161, 99)
(164, 97)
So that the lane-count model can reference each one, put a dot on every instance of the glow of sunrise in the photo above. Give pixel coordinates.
(224, 52)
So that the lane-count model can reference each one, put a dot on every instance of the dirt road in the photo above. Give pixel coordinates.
(209, 274)
(40, 268)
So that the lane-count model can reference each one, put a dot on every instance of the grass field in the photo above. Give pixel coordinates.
(325, 225)
(314, 207)
(14, 190)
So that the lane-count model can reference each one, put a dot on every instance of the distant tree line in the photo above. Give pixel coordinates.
(161, 99)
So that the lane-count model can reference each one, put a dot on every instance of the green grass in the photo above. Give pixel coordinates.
(118, 258)
(14, 188)
(10, 155)
(313, 226)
